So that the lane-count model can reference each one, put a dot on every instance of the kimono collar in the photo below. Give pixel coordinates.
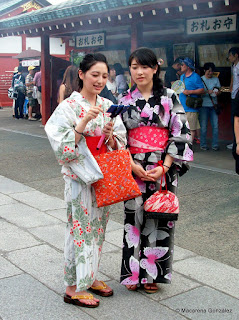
(79, 98)
(136, 94)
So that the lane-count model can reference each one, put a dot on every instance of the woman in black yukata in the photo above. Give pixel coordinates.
(157, 131)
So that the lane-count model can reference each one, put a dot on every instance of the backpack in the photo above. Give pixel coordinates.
(19, 85)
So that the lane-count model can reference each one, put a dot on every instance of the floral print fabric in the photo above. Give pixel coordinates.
(149, 243)
(85, 229)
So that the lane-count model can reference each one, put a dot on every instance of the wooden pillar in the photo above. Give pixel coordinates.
(24, 42)
(136, 36)
(45, 78)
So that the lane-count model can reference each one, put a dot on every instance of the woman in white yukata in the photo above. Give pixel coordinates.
(78, 119)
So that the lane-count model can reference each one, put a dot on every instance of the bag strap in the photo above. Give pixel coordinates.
(208, 93)
(160, 163)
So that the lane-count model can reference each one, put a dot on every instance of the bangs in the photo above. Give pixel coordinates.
(144, 57)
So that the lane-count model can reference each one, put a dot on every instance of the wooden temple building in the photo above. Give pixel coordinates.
(201, 29)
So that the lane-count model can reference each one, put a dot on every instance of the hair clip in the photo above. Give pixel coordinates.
(160, 62)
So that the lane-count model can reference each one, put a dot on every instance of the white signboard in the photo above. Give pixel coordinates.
(212, 24)
(90, 40)
(27, 63)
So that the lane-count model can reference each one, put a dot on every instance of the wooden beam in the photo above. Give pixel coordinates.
(45, 78)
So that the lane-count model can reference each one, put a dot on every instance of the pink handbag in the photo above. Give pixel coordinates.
(163, 204)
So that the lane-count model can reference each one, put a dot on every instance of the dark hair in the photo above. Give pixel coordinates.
(178, 60)
(233, 51)
(20, 68)
(209, 65)
(111, 67)
(147, 57)
(118, 68)
(70, 80)
(89, 61)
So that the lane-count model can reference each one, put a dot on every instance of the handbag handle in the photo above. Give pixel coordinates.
(160, 163)
(208, 93)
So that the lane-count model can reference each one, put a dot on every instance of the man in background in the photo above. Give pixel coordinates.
(193, 87)
(29, 89)
(37, 82)
(233, 57)
(18, 84)
(173, 73)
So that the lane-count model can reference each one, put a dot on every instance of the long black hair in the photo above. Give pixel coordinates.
(90, 60)
(147, 57)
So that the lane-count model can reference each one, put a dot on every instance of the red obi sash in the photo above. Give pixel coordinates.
(92, 143)
(147, 139)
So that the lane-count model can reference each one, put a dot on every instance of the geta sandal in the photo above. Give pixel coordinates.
(97, 290)
(76, 300)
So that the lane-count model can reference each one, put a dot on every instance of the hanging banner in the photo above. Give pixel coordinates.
(212, 24)
(90, 40)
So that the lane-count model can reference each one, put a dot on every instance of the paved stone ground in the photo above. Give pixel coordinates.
(31, 270)
(32, 216)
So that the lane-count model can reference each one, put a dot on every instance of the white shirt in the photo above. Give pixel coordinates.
(111, 86)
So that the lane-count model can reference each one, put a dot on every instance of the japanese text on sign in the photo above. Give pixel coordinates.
(90, 40)
(212, 24)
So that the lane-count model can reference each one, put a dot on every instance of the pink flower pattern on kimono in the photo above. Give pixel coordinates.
(134, 274)
(141, 184)
(132, 235)
(152, 254)
(176, 125)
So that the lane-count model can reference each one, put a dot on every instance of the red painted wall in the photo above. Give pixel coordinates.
(6, 72)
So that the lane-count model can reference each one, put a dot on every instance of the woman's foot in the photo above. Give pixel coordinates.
(150, 287)
(132, 287)
(88, 301)
(101, 288)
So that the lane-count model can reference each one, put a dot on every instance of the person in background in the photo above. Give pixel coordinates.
(37, 82)
(212, 89)
(78, 119)
(15, 71)
(235, 149)
(157, 131)
(194, 87)
(18, 84)
(172, 73)
(120, 79)
(111, 82)
(233, 57)
(29, 91)
(70, 83)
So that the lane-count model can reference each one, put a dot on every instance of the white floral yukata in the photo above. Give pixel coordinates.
(85, 230)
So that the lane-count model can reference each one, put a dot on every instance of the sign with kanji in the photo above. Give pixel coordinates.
(90, 40)
(27, 63)
(212, 24)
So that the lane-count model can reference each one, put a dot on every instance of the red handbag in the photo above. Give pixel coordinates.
(163, 204)
(118, 183)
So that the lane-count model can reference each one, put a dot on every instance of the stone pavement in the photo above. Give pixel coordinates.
(31, 270)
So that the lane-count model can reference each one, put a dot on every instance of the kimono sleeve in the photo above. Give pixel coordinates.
(180, 143)
(78, 158)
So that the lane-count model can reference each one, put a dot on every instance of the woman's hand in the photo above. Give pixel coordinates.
(154, 173)
(92, 113)
(108, 130)
(140, 172)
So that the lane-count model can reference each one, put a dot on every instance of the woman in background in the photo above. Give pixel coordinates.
(212, 90)
(70, 83)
